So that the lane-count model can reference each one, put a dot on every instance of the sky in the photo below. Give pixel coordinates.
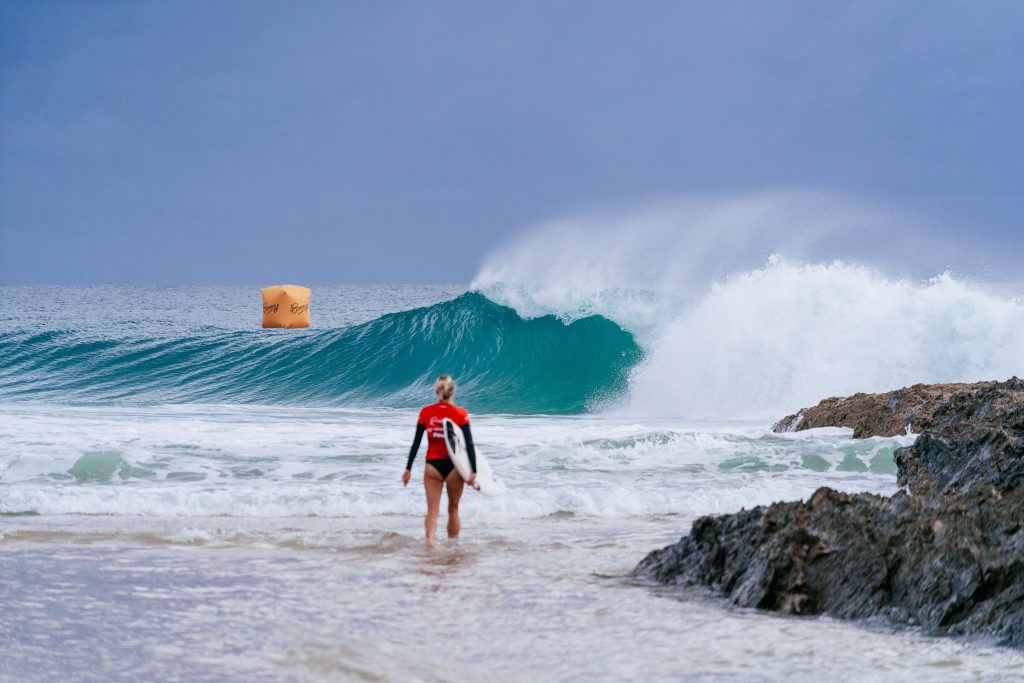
(388, 142)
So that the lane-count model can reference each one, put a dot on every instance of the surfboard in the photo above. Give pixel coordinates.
(485, 479)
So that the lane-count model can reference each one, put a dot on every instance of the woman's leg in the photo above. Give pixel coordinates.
(455, 485)
(432, 484)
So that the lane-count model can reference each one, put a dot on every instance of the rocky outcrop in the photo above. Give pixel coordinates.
(976, 438)
(947, 554)
(956, 569)
(910, 409)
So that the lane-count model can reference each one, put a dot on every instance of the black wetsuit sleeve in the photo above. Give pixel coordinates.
(469, 446)
(415, 445)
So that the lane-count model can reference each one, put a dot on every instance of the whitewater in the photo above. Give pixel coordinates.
(184, 496)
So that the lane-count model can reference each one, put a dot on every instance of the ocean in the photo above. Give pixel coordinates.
(185, 496)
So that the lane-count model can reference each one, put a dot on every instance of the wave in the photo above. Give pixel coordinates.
(752, 306)
(767, 341)
(275, 461)
(503, 362)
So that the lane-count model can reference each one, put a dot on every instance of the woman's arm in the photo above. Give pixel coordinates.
(412, 454)
(470, 450)
(415, 445)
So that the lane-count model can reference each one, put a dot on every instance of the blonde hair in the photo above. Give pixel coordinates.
(444, 387)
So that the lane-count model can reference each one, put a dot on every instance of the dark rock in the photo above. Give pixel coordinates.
(948, 555)
(887, 414)
(956, 569)
(976, 438)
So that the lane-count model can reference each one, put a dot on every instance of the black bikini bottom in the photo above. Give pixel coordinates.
(444, 466)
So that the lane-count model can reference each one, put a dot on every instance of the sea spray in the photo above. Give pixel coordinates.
(787, 335)
(764, 342)
(743, 310)
(597, 261)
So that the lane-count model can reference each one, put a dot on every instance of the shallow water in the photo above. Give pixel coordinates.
(256, 543)
(361, 599)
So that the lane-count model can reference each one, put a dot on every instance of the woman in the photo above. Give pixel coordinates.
(440, 471)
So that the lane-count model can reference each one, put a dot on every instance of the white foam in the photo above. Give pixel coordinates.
(781, 337)
(275, 462)
(728, 336)
(190, 536)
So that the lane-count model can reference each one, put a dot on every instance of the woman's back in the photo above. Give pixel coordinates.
(432, 418)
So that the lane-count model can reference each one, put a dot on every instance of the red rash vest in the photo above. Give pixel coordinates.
(432, 417)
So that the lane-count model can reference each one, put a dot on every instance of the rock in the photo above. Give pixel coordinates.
(887, 414)
(956, 569)
(946, 554)
(976, 438)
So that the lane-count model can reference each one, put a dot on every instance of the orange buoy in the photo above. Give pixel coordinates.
(286, 306)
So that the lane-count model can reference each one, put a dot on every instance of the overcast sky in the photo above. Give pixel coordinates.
(360, 142)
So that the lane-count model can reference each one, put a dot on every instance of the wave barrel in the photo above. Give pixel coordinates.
(286, 306)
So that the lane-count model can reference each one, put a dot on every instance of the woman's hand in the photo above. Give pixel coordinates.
(405, 477)
(472, 481)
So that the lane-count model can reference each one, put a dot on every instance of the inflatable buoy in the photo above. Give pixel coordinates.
(286, 306)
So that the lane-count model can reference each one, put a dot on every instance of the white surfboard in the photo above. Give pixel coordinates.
(456, 442)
